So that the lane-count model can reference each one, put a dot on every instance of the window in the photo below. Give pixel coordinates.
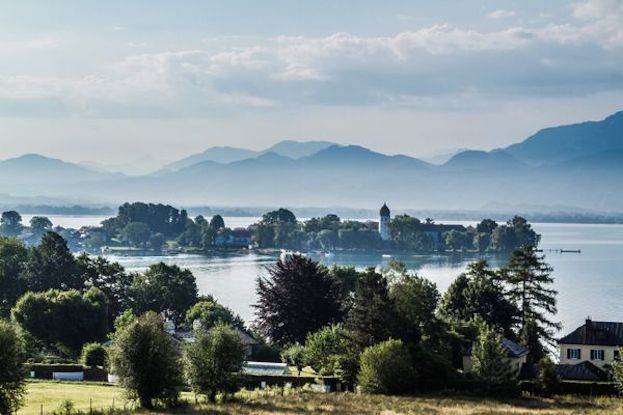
(574, 354)
(597, 354)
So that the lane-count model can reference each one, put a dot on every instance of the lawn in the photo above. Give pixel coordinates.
(51, 394)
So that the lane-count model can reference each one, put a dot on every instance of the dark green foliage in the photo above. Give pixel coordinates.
(332, 352)
(12, 371)
(386, 368)
(547, 381)
(486, 226)
(516, 233)
(478, 292)
(617, 372)
(136, 234)
(407, 235)
(212, 359)
(159, 218)
(111, 279)
(52, 266)
(165, 288)
(64, 319)
(434, 369)
(293, 355)
(372, 317)
(415, 300)
(11, 223)
(93, 355)
(147, 361)
(529, 280)
(456, 240)
(299, 297)
(210, 312)
(490, 361)
(13, 255)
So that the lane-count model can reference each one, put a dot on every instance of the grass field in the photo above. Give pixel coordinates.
(51, 394)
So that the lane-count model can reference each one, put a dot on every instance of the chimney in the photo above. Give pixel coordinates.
(587, 327)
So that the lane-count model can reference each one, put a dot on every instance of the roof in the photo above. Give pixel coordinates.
(601, 333)
(245, 338)
(384, 212)
(434, 227)
(582, 371)
(513, 349)
(265, 368)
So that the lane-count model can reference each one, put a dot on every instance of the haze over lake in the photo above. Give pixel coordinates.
(579, 278)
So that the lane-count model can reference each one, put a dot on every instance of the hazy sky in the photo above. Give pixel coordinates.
(119, 81)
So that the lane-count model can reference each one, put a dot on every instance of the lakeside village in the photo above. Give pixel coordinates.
(388, 331)
(164, 229)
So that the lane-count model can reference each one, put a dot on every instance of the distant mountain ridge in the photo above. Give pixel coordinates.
(226, 155)
(576, 165)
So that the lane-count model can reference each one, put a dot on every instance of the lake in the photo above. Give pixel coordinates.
(589, 284)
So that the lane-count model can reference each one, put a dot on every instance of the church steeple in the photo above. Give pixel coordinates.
(385, 217)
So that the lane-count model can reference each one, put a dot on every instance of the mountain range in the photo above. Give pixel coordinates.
(579, 165)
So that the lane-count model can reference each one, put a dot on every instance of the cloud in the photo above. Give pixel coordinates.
(434, 66)
(500, 14)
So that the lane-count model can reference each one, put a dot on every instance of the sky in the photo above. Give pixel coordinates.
(147, 81)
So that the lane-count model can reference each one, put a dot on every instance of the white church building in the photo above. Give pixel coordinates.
(384, 219)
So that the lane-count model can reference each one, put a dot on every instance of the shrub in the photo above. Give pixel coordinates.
(93, 355)
(386, 368)
(491, 364)
(212, 359)
(12, 371)
(146, 360)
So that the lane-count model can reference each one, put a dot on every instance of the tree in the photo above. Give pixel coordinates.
(331, 352)
(386, 368)
(12, 372)
(478, 292)
(93, 355)
(13, 256)
(372, 317)
(407, 234)
(547, 380)
(297, 298)
(217, 223)
(210, 313)
(212, 359)
(293, 355)
(40, 224)
(51, 265)
(63, 319)
(280, 215)
(415, 299)
(486, 226)
(165, 289)
(617, 372)
(529, 279)
(10, 223)
(490, 360)
(457, 240)
(111, 279)
(146, 359)
(136, 234)
(157, 241)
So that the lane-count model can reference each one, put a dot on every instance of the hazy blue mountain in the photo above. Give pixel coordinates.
(554, 145)
(297, 149)
(225, 155)
(483, 160)
(217, 154)
(582, 176)
(443, 156)
(38, 169)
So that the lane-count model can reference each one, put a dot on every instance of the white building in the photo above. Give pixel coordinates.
(385, 217)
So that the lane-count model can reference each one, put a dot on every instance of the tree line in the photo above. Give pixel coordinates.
(155, 226)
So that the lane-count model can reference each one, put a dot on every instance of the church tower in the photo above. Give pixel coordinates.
(385, 217)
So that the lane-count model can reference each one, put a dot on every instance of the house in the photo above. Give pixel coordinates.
(235, 238)
(517, 356)
(597, 342)
(435, 232)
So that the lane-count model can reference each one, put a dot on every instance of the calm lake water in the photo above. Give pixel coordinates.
(589, 284)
